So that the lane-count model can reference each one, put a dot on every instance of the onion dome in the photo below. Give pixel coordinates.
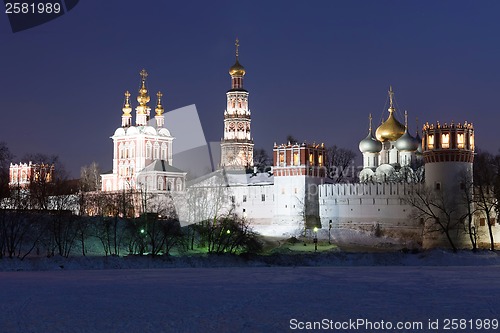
(143, 97)
(391, 129)
(419, 141)
(159, 108)
(406, 142)
(370, 144)
(126, 107)
(237, 69)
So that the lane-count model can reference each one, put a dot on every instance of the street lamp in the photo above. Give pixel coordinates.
(315, 239)
(330, 232)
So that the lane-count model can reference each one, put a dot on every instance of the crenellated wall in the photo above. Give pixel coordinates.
(369, 214)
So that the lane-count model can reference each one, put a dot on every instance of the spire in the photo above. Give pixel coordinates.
(126, 116)
(370, 128)
(406, 120)
(391, 99)
(159, 111)
(237, 44)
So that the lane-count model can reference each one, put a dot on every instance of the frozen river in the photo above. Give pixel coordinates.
(262, 299)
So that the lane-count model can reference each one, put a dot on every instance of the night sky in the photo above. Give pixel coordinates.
(315, 69)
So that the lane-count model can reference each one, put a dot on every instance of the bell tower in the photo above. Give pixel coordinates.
(237, 144)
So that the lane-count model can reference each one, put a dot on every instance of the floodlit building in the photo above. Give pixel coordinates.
(23, 174)
(296, 195)
(142, 153)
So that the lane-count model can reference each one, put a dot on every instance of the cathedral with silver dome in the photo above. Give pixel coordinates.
(297, 195)
(392, 154)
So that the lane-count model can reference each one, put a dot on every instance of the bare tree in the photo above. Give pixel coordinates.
(5, 159)
(90, 178)
(439, 211)
(229, 234)
(261, 159)
(291, 139)
(467, 197)
(340, 164)
(485, 177)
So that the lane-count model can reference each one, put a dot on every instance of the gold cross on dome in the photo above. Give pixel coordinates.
(237, 46)
(143, 74)
(159, 94)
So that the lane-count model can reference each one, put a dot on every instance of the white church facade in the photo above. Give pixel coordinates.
(142, 154)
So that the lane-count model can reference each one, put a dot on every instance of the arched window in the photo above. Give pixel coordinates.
(460, 141)
(160, 183)
(445, 141)
(148, 150)
(120, 150)
(132, 150)
(156, 154)
(430, 141)
(164, 151)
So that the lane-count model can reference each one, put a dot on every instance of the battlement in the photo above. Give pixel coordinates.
(358, 190)
(448, 143)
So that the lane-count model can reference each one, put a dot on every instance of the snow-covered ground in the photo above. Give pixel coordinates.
(252, 297)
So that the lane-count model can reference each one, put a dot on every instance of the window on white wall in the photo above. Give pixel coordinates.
(132, 151)
(148, 149)
(156, 154)
(164, 151)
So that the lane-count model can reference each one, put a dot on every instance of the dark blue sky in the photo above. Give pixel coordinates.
(315, 69)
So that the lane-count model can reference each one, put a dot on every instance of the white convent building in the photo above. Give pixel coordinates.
(142, 154)
(296, 195)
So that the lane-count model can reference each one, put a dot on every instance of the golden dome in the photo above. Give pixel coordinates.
(237, 69)
(391, 129)
(126, 107)
(143, 97)
(159, 108)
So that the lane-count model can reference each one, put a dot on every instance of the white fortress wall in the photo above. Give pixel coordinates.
(369, 213)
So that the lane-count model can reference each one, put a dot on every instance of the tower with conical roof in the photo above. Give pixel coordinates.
(237, 144)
